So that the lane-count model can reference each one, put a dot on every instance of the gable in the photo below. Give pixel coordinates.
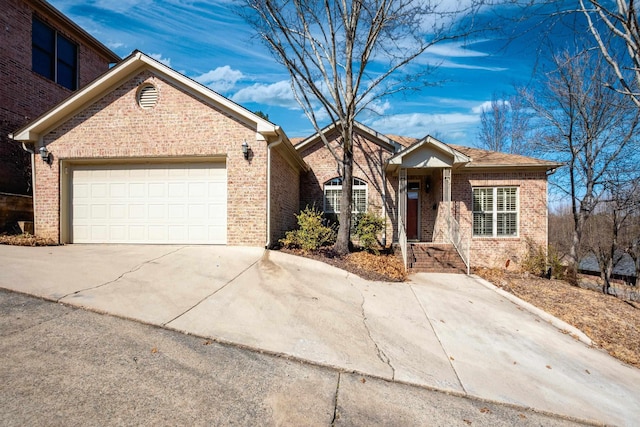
(123, 72)
(332, 134)
(427, 157)
(428, 152)
(117, 114)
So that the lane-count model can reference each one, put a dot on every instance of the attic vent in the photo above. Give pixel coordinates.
(147, 96)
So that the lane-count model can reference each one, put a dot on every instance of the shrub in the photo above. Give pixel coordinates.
(538, 261)
(312, 233)
(368, 227)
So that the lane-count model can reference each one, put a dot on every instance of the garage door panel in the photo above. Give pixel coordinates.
(136, 189)
(98, 190)
(163, 203)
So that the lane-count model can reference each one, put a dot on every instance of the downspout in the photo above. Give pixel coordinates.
(269, 147)
(384, 206)
(33, 179)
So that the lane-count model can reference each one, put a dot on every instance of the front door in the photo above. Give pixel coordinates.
(413, 199)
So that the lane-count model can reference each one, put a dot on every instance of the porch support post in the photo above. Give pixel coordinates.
(446, 197)
(402, 214)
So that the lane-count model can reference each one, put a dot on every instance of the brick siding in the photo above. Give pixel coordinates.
(24, 94)
(494, 252)
(368, 160)
(285, 188)
(116, 128)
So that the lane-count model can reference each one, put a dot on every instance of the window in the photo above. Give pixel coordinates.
(53, 55)
(495, 212)
(333, 193)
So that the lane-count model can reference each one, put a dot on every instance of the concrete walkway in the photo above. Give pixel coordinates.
(448, 332)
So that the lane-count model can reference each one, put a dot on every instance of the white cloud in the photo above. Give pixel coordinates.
(456, 50)
(158, 57)
(222, 79)
(379, 107)
(114, 45)
(276, 94)
(122, 6)
(454, 128)
(442, 55)
(487, 105)
(453, 64)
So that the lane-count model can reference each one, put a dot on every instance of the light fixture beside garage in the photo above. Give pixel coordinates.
(245, 149)
(45, 155)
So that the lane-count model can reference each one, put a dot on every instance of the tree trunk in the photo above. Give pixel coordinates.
(344, 230)
(607, 271)
(572, 268)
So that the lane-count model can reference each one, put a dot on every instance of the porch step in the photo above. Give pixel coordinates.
(434, 258)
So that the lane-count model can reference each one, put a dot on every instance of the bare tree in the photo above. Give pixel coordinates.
(344, 56)
(504, 125)
(561, 230)
(616, 31)
(632, 242)
(587, 126)
(604, 234)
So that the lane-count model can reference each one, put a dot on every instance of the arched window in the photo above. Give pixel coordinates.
(333, 193)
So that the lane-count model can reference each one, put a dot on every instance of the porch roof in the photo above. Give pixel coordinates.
(427, 153)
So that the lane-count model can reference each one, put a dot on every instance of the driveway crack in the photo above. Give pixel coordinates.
(134, 269)
(380, 353)
(424, 311)
(335, 402)
(265, 253)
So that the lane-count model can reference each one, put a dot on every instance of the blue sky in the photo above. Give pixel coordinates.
(208, 42)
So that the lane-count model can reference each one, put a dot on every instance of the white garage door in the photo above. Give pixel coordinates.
(157, 203)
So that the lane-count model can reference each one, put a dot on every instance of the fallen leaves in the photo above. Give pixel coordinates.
(384, 267)
(25, 240)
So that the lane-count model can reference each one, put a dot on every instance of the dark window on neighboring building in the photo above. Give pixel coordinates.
(53, 55)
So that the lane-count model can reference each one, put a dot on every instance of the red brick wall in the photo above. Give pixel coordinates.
(25, 95)
(494, 252)
(115, 127)
(285, 189)
(369, 159)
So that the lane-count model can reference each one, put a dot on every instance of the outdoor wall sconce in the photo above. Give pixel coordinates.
(45, 155)
(245, 150)
(427, 184)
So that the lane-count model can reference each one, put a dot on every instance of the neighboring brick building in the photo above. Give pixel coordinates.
(44, 57)
(498, 201)
(146, 155)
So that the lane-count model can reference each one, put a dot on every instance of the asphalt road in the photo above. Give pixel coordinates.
(67, 366)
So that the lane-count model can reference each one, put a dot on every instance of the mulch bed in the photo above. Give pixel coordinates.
(385, 267)
(25, 240)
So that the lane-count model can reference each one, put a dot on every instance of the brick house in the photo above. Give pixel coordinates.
(146, 155)
(442, 203)
(45, 57)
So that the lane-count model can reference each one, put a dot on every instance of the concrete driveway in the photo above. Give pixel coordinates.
(449, 332)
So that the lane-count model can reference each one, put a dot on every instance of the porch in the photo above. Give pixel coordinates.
(428, 235)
